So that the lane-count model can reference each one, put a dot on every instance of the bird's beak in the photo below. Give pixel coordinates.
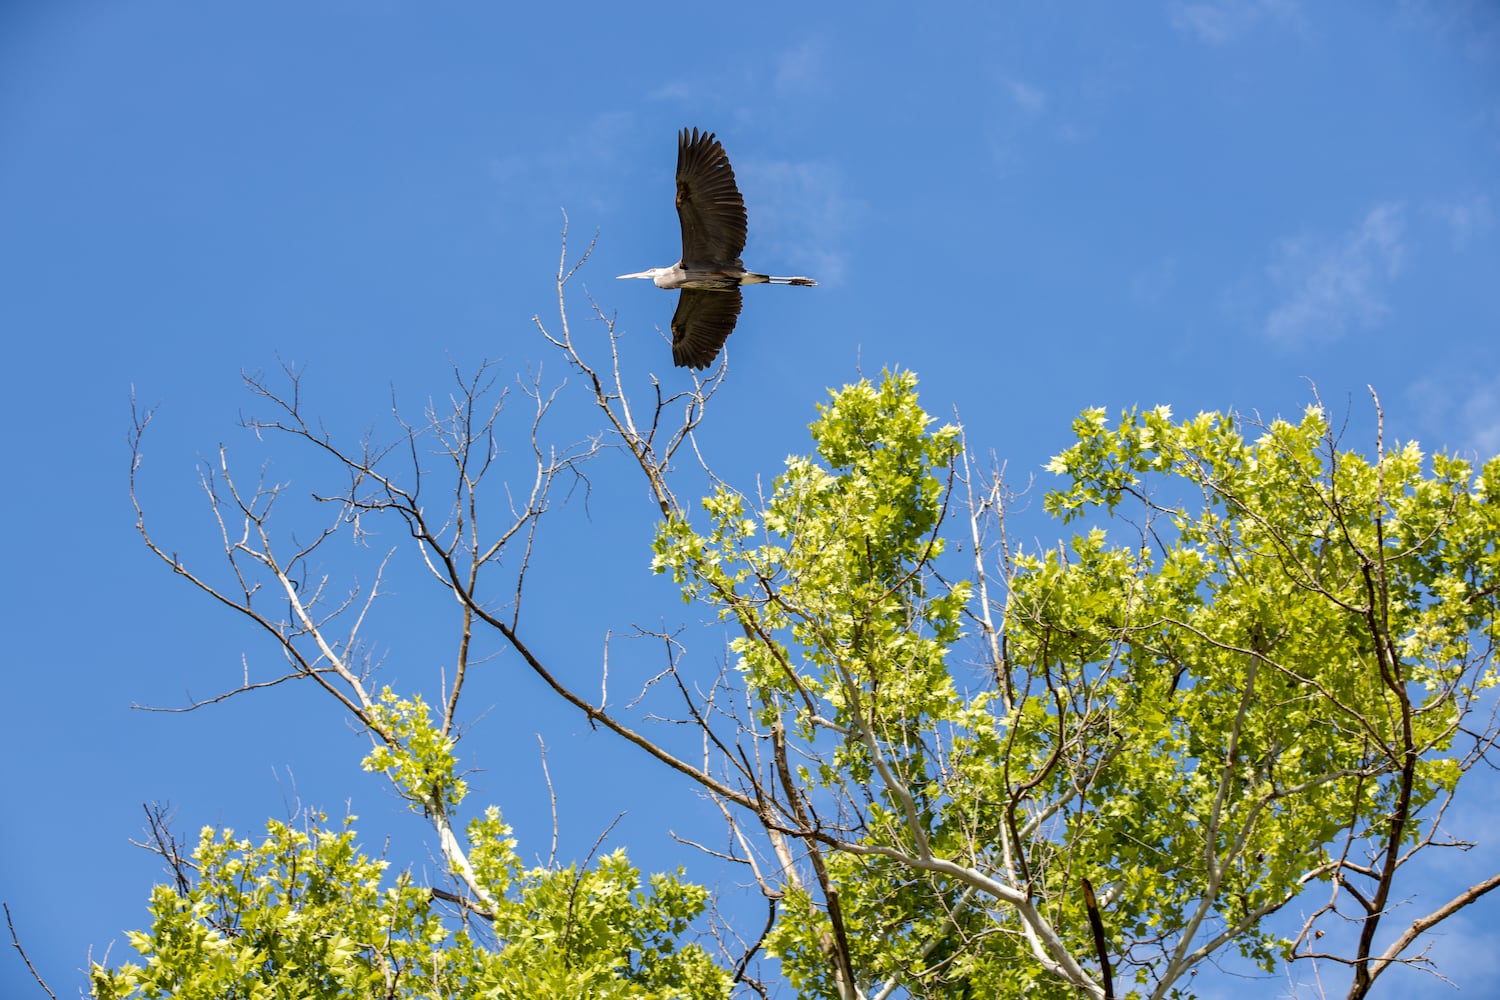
(639, 274)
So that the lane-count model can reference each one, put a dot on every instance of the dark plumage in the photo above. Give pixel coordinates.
(703, 321)
(710, 273)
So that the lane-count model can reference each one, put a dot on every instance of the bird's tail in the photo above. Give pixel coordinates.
(757, 279)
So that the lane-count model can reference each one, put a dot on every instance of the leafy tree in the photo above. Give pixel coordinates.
(304, 914)
(1270, 685)
(1258, 669)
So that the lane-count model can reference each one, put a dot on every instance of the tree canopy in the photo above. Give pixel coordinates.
(950, 764)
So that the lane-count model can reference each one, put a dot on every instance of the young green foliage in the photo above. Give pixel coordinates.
(833, 601)
(416, 756)
(1259, 690)
(1285, 652)
(845, 634)
(1268, 682)
(305, 914)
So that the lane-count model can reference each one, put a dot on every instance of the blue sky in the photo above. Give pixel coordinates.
(1038, 209)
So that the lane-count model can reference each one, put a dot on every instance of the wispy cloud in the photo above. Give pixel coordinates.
(678, 90)
(1019, 108)
(1464, 949)
(578, 167)
(800, 68)
(1467, 219)
(1217, 22)
(1474, 23)
(1325, 287)
(1026, 97)
(795, 207)
(1459, 411)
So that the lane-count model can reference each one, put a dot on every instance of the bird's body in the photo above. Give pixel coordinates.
(717, 280)
(710, 273)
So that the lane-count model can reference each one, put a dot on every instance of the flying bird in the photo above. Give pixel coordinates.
(710, 272)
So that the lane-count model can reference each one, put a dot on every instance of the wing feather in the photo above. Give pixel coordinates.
(703, 321)
(709, 204)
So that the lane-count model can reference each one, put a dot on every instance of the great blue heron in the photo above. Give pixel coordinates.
(710, 272)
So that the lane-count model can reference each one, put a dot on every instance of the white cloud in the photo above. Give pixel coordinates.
(1481, 418)
(800, 68)
(677, 91)
(575, 167)
(1474, 23)
(1026, 97)
(1463, 953)
(1466, 219)
(1325, 287)
(1208, 22)
(1459, 412)
(1219, 21)
(794, 207)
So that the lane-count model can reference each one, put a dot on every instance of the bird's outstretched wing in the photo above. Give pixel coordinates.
(701, 324)
(708, 203)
